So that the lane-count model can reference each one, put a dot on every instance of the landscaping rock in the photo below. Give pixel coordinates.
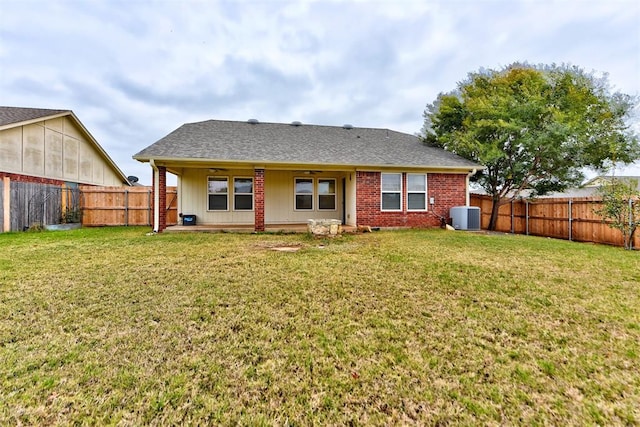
(324, 227)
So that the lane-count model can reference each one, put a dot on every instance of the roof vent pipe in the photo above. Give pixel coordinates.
(296, 123)
(347, 126)
(253, 121)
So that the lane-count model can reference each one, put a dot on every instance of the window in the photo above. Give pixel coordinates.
(391, 186)
(327, 194)
(416, 192)
(218, 190)
(243, 194)
(304, 193)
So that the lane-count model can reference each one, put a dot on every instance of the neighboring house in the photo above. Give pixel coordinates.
(52, 147)
(599, 181)
(590, 188)
(257, 174)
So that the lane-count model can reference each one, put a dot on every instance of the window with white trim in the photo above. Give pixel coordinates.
(304, 194)
(416, 192)
(326, 194)
(243, 194)
(391, 189)
(218, 191)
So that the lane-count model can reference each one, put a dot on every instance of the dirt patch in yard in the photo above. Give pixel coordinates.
(281, 247)
(286, 248)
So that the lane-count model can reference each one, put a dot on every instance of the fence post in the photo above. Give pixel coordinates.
(630, 222)
(6, 203)
(511, 216)
(149, 209)
(570, 220)
(126, 207)
(526, 215)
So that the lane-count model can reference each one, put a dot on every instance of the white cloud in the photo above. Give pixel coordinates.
(133, 71)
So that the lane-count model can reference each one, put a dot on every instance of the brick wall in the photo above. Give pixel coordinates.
(259, 199)
(27, 178)
(448, 190)
(162, 203)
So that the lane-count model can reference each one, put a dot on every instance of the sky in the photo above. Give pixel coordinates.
(133, 71)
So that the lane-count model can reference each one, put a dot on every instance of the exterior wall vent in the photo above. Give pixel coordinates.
(347, 126)
(253, 121)
(465, 217)
(296, 123)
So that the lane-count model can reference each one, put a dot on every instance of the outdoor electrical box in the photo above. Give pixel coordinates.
(465, 217)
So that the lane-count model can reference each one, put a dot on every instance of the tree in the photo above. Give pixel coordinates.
(621, 206)
(533, 128)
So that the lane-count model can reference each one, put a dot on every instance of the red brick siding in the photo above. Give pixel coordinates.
(448, 190)
(258, 182)
(162, 187)
(27, 178)
(162, 183)
(367, 198)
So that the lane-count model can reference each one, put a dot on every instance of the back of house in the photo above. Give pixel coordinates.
(260, 174)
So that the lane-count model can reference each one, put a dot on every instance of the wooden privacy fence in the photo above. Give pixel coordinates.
(563, 218)
(30, 204)
(123, 206)
(25, 205)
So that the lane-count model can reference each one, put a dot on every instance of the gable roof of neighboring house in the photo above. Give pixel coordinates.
(280, 143)
(602, 179)
(590, 188)
(11, 117)
(15, 115)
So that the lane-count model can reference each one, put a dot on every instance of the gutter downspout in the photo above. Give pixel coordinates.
(156, 196)
(469, 175)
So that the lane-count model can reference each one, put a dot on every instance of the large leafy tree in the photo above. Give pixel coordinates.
(533, 128)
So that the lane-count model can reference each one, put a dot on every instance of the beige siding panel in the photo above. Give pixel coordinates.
(193, 192)
(278, 197)
(87, 160)
(99, 175)
(11, 150)
(55, 124)
(71, 129)
(53, 154)
(70, 156)
(109, 176)
(33, 149)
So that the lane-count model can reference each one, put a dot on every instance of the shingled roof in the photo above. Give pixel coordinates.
(11, 115)
(279, 143)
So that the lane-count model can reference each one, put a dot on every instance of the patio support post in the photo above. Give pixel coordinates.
(159, 198)
(259, 199)
(162, 203)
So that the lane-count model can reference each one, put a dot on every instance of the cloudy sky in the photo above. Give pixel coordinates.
(134, 70)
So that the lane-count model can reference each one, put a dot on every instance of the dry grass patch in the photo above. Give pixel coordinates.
(109, 326)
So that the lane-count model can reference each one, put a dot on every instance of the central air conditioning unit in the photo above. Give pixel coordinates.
(465, 217)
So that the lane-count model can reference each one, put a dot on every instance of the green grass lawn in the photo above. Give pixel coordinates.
(111, 326)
